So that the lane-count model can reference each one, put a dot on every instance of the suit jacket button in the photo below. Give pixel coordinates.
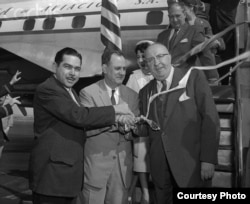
(114, 157)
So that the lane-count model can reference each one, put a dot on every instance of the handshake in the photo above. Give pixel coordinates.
(125, 118)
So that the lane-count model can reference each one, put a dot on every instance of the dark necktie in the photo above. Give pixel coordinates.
(113, 97)
(164, 85)
(163, 88)
(161, 102)
(171, 42)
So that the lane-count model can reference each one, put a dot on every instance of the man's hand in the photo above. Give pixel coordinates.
(207, 171)
(123, 109)
(14, 101)
(15, 78)
(127, 120)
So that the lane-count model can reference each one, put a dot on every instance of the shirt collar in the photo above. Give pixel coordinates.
(168, 79)
(110, 90)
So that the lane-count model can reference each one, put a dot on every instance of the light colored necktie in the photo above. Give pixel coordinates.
(73, 97)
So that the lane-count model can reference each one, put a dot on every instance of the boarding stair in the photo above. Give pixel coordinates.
(232, 103)
(224, 97)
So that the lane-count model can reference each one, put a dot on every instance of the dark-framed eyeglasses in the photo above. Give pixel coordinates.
(159, 57)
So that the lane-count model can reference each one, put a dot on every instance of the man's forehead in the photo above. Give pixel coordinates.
(115, 56)
(175, 9)
(69, 59)
(117, 59)
(156, 48)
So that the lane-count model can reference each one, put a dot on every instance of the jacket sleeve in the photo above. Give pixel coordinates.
(88, 101)
(5, 110)
(206, 57)
(5, 89)
(143, 128)
(64, 108)
(210, 126)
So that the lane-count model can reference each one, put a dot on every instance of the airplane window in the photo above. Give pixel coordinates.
(154, 17)
(29, 24)
(0, 24)
(78, 21)
(49, 23)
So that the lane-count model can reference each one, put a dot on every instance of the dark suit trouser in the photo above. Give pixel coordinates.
(162, 177)
(43, 199)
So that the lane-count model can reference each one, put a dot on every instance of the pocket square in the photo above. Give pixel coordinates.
(184, 40)
(184, 97)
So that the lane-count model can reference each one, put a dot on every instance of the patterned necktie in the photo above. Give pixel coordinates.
(113, 97)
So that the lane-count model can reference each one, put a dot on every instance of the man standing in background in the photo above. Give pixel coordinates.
(180, 38)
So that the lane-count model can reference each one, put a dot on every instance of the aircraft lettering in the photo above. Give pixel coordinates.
(146, 2)
(73, 6)
(63, 7)
(5, 12)
(38, 9)
(25, 11)
(52, 9)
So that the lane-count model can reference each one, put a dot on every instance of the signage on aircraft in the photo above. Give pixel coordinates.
(36, 30)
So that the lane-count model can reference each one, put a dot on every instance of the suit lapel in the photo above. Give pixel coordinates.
(76, 97)
(153, 107)
(180, 35)
(123, 94)
(63, 89)
(167, 39)
(103, 93)
(173, 97)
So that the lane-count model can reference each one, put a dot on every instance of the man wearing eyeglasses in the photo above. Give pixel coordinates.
(180, 38)
(183, 152)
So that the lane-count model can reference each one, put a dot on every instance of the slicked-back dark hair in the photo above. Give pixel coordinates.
(66, 51)
(106, 56)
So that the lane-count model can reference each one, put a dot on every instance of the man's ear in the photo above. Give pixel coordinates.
(54, 66)
(104, 68)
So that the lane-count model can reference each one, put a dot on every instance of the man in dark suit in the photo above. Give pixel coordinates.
(184, 152)
(108, 161)
(222, 14)
(180, 38)
(56, 162)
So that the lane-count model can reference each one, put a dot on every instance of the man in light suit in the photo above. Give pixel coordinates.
(184, 152)
(56, 161)
(108, 151)
(180, 38)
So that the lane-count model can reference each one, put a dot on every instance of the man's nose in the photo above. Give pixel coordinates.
(72, 71)
(140, 59)
(156, 61)
(123, 71)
